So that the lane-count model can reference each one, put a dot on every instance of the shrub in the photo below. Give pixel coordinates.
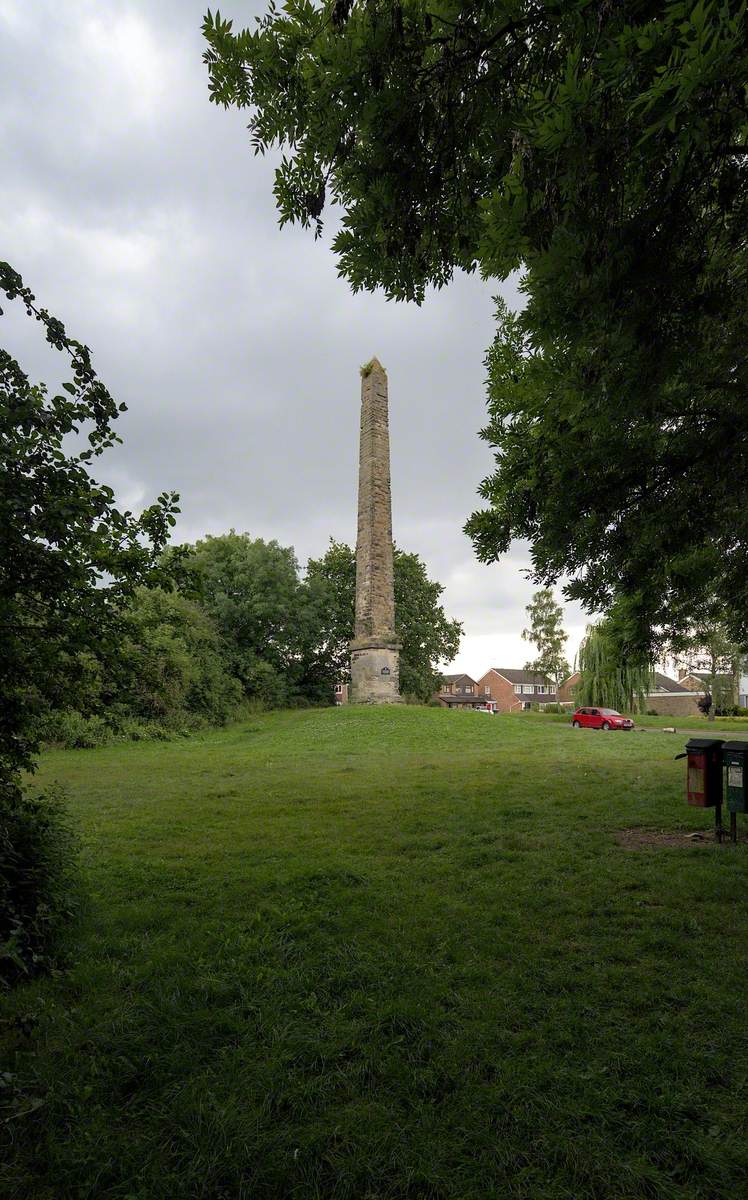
(132, 730)
(70, 730)
(38, 880)
(171, 662)
(73, 731)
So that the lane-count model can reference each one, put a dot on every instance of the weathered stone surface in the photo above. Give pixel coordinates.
(375, 675)
(375, 657)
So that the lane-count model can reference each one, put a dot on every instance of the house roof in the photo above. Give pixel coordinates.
(704, 676)
(514, 676)
(662, 683)
(457, 679)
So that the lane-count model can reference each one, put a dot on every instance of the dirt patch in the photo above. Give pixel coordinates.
(645, 839)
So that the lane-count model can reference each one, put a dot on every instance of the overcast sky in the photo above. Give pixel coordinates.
(138, 214)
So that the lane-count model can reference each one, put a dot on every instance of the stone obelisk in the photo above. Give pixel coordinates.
(375, 650)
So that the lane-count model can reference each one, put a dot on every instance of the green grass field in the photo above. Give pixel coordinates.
(386, 955)
(727, 727)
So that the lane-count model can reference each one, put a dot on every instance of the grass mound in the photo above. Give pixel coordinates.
(387, 954)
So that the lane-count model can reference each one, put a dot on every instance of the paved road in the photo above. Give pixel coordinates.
(728, 734)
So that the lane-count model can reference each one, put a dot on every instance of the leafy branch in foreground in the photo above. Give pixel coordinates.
(69, 560)
(602, 149)
(69, 557)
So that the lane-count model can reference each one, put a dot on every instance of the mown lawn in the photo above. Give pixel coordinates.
(387, 955)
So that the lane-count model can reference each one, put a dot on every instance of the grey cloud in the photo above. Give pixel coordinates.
(137, 212)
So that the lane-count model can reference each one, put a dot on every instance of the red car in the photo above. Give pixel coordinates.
(600, 718)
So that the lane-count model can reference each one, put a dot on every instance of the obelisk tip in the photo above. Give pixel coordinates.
(372, 366)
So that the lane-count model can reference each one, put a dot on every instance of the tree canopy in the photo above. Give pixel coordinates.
(428, 636)
(250, 589)
(600, 148)
(614, 671)
(707, 647)
(172, 661)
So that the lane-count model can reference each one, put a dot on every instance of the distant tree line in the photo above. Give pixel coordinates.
(236, 623)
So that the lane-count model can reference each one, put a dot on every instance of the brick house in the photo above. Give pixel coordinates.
(721, 688)
(512, 690)
(458, 691)
(668, 697)
(734, 690)
(566, 691)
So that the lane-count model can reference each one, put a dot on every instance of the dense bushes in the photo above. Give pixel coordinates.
(240, 628)
(168, 676)
(172, 665)
(38, 880)
(68, 729)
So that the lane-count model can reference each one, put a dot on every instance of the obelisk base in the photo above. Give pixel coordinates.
(375, 671)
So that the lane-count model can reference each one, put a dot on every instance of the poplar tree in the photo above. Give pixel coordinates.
(707, 647)
(546, 632)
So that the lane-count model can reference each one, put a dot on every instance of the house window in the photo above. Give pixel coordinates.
(540, 689)
(527, 689)
(518, 688)
(468, 689)
(447, 687)
(486, 691)
(338, 689)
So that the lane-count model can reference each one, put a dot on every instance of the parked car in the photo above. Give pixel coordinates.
(483, 708)
(600, 718)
